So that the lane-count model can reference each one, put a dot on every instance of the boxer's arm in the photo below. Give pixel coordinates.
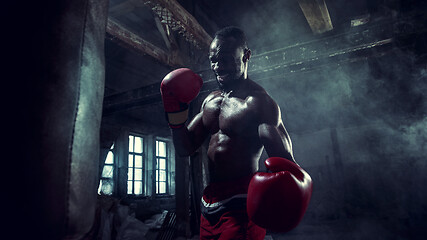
(277, 199)
(178, 88)
(276, 140)
(272, 132)
(188, 139)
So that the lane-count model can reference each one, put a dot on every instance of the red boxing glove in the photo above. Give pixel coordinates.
(277, 201)
(178, 89)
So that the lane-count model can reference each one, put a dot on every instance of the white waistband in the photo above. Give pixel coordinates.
(216, 204)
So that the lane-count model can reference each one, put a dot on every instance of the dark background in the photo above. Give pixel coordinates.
(353, 99)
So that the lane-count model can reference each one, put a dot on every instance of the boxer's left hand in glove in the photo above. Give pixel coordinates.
(178, 89)
(277, 201)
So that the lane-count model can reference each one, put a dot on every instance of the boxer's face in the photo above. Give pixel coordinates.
(227, 60)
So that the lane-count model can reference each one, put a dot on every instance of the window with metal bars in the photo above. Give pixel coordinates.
(136, 165)
(161, 167)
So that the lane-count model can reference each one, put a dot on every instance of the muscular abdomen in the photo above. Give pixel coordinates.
(232, 157)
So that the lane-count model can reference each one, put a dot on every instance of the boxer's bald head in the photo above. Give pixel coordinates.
(233, 32)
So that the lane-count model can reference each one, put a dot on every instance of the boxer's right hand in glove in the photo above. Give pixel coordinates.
(277, 201)
(178, 89)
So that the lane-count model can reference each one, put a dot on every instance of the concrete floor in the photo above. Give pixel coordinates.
(349, 229)
(352, 229)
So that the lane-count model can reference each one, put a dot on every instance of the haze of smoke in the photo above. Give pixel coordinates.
(378, 107)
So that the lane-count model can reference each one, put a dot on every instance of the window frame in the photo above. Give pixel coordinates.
(157, 170)
(142, 168)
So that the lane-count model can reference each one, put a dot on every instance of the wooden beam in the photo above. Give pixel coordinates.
(172, 13)
(170, 41)
(182, 20)
(128, 39)
(317, 15)
(132, 99)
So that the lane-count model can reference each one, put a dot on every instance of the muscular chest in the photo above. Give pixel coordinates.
(231, 115)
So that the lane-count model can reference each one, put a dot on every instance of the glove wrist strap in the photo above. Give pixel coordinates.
(177, 119)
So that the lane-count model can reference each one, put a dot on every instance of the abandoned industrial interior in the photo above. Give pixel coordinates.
(350, 78)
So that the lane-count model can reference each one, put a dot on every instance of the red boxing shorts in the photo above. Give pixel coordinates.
(224, 215)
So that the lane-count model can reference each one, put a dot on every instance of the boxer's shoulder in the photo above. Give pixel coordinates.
(261, 102)
(212, 96)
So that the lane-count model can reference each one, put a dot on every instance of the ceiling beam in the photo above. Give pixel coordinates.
(171, 13)
(119, 34)
(147, 95)
(175, 16)
(317, 15)
(132, 99)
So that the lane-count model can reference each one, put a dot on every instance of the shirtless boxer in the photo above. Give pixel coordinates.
(241, 120)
